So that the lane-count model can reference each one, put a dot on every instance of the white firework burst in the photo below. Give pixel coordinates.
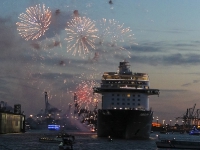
(81, 36)
(34, 22)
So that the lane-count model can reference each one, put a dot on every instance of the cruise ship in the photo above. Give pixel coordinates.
(125, 111)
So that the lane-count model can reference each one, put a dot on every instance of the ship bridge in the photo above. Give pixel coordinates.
(129, 90)
(115, 75)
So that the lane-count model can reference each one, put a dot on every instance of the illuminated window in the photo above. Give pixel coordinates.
(128, 95)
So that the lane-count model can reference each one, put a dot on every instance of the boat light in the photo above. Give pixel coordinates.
(54, 127)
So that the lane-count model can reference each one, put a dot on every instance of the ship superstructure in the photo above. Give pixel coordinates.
(125, 103)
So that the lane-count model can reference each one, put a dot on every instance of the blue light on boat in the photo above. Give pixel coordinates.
(54, 127)
(194, 131)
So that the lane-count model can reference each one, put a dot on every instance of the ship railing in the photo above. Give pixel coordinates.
(124, 86)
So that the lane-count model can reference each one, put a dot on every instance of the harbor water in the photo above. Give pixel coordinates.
(83, 141)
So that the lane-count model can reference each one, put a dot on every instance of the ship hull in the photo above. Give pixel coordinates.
(127, 124)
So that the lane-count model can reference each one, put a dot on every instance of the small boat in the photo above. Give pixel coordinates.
(50, 140)
(194, 131)
(178, 144)
(58, 139)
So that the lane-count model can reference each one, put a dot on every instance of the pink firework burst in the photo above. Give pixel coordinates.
(84, 92)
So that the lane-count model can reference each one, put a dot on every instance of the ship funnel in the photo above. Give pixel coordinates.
(124, 68)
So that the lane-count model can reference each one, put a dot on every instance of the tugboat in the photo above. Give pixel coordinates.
(125, 109)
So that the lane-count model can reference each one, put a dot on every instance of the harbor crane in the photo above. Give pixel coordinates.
(190, 117)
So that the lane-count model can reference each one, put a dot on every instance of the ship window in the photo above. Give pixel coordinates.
(128, 95)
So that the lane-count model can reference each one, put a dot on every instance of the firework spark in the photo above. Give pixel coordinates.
(34, 22)
(84, 92)
(81, 35)
(114, 36)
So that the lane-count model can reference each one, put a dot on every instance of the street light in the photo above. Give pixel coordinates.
(157, 121)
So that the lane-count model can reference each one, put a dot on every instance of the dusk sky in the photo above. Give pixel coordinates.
(163, 41)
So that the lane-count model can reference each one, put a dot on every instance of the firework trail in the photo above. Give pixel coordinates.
(34, 22)
(81, 36)
(114, 36)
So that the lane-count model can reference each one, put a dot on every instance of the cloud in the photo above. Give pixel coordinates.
(189, 84)
(196, 81)
(174, 31)
(181, 59)
(186, 84)
(160, 53)
(143, 48)
(51, 76)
